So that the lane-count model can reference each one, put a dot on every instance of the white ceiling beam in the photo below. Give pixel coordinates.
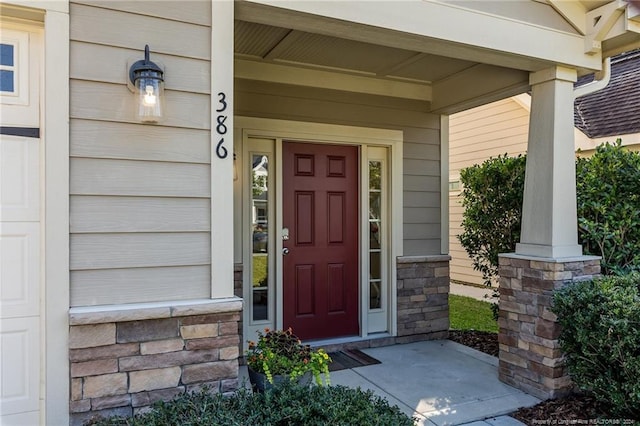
(286, 42)
(428, 26)
(573, 12)
(475, 86)
(398, 66)
(300, 76)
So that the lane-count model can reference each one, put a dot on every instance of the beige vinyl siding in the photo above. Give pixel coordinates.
(421, 141)
(140, 203)
(475, 135)
(99, 214)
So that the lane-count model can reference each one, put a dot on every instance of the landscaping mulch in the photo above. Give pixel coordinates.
(484, 341)
(571, 410)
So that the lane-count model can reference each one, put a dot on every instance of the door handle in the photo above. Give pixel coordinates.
(285, 251)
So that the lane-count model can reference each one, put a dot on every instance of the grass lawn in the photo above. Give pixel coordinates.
(259, 269)
(466, 313)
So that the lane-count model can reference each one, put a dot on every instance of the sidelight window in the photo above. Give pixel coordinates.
(375, 234)
(261, 233)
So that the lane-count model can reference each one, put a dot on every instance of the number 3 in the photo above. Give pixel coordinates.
(222, 101)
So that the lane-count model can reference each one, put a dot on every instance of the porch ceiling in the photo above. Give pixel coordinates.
(287, 46)
(293, 56)
(450, 67)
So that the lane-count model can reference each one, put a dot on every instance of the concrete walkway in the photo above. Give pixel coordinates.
(472, 291)
(439, 382)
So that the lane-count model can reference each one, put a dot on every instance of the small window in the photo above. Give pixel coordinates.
(260, 200)
(454, 185)
(376, 244)
(7, 68)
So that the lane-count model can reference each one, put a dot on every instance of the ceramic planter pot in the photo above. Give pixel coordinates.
(259, 382)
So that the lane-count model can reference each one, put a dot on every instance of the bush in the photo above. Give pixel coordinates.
(600, 336)
(608, 201)
(284, 405)
(608, 190)
(492, 201)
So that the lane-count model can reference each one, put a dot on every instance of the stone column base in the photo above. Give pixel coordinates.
(530, 356)
(423, 298)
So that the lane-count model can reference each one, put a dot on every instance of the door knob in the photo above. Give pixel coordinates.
(285, 251)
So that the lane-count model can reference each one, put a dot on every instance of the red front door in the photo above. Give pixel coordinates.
(320, 281)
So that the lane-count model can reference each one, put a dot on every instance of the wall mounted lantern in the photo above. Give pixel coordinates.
(146, 81)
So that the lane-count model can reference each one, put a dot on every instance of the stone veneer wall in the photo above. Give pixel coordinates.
(530, 356)
(423, 298)
(122, 361)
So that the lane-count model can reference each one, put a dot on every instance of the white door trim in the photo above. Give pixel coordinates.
(56, 190)
(277, 130)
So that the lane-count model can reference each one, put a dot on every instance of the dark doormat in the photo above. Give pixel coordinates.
(350, 358)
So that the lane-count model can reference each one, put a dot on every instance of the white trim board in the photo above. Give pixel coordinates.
(278, 130)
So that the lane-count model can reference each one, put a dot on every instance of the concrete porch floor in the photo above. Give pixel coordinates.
(439, 382)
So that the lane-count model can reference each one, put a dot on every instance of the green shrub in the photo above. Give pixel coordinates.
(608, 201)
(283, 406)
(492, 201)
(608, 192)
(600, 336)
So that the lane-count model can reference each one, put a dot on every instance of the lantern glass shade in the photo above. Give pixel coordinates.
(146, 81)
(149, 93)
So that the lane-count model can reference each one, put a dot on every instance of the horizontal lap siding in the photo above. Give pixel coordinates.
(474, 136)
(100, 214)
(93, 285)
(421, 147)
(140, 203)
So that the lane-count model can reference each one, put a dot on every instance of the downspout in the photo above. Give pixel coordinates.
(598, 84)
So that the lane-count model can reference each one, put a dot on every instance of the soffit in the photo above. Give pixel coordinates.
(280, 45)
(450, 73)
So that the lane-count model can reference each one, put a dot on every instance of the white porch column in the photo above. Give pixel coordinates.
(549, 216)
(222, 149)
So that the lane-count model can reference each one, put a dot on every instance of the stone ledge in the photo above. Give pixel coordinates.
(550, 259)
(156, 310)
(423, 259)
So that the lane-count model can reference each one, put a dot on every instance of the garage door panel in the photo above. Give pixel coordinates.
(19, 269)
(21, 237)
(19, 179)
(19, 352)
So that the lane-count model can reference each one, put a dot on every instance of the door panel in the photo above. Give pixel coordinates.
(19, 269)
(19, 179)
(337, 288)
(305, 290)
(320, 277)
(305, 220)
(19, 358)
(336, 218)
(20, 228)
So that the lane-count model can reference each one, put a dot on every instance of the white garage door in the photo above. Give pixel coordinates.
(20, 227)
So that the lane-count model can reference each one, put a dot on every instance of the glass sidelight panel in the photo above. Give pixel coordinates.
(260, 237)
(375, 234)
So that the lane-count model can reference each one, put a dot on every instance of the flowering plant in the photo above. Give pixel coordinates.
(280, 352)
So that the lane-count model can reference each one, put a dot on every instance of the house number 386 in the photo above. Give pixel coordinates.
(221, 128)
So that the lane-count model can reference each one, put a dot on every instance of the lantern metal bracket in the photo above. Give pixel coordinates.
(143, 65)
